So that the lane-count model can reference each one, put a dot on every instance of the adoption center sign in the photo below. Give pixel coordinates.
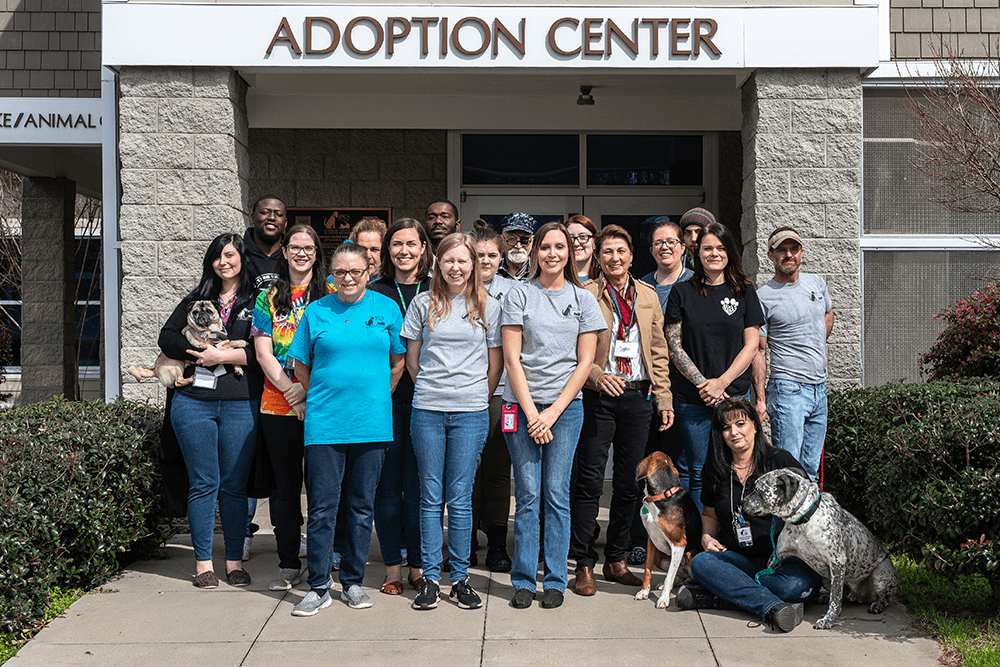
(330, 35)
(50, 121)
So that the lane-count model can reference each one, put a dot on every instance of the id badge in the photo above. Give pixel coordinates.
(743, 534)
(204, 378)
(508, 417)
(627, 349)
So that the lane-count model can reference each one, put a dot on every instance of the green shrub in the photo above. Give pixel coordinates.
(970, 344)
(78, 482)
(920, 465)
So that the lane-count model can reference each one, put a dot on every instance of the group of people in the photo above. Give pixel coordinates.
(414, 369)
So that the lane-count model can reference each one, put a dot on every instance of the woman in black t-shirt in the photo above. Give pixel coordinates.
(738, 546)
(713, 327)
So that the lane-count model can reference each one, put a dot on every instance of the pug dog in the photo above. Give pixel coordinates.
(204, 329)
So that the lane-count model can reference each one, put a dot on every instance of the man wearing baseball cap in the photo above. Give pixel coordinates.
(798, 318)
(691, 224)
(517, 231)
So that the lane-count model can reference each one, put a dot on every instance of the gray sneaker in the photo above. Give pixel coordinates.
(312, 603)
(356, 598)
(287, 577)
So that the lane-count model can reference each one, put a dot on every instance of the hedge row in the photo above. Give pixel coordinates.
(920, 465)
(78, 494)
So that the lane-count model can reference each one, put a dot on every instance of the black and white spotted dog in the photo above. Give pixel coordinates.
(828, 538)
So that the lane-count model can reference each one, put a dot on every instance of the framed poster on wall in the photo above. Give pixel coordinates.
(334, 224)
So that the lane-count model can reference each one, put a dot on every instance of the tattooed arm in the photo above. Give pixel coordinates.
(680, 357)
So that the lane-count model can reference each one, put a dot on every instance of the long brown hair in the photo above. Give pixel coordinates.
(733, 273)
(594, 269)
(388, 269)
(569, 271)
(476, 295)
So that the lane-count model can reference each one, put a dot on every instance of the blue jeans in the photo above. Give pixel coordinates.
(694, 426)
(356, 467)
(729, 575)
(541, 487)
(217, 439)
(397, 501)
(798, 420)
(447, 446)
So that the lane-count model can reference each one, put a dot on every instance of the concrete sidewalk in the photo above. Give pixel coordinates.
(151, 614)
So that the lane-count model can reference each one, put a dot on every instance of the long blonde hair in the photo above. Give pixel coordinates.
(476, 296)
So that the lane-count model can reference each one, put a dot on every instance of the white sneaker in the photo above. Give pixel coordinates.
(246, 547)
(312, 603)
(287, 577)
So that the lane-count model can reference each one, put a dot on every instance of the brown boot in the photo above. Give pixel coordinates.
(619, 572)
(585, 581)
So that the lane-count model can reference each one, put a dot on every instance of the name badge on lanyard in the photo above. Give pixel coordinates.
(626, 349)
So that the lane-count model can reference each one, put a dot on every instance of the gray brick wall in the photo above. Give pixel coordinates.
(801, 167)
(923, 28)
(184, 168)
(404, 169)
(50, 48)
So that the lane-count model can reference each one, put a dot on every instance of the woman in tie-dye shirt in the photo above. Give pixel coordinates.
(282, 406)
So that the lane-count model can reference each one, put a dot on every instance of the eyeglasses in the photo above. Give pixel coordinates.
(670, 243)
(582, 239)
(515, 239)
(340, 274)
(307, 250)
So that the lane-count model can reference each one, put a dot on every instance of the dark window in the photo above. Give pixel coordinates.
(496, 220)
(521, 159)
(616, 159)
(10, 319)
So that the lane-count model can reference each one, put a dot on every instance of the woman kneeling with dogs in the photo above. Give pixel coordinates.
(737, 546)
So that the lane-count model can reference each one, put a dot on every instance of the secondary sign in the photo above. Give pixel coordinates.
(50, 121)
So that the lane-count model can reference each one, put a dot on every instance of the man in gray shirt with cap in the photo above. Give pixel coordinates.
(798, 317)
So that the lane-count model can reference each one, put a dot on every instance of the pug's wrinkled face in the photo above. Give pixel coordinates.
(203, 315)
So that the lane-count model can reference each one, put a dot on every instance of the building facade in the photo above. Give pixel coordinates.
(769, 115)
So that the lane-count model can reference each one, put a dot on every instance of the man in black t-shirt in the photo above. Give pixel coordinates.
(268, 219)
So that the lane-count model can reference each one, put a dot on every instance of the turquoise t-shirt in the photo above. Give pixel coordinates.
(348, 346)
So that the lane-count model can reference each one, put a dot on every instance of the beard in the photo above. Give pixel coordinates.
(517, 256)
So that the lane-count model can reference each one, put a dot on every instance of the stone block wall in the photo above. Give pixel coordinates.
(924, 28)
(184, 166)
(48, 324)
(404, 169)
(802, 147)
(50, 48)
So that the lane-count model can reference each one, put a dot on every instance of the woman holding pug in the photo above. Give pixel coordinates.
(737, 546)
(282, 407)
(215, 417)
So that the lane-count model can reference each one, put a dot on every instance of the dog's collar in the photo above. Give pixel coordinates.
(808, 513)
(662, 495)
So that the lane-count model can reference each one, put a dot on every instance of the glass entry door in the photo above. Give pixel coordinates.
(492, 208)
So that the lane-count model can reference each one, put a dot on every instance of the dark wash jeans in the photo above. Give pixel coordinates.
(624, 422)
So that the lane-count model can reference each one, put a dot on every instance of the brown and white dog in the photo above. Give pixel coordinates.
(672, 523)
(204, 329)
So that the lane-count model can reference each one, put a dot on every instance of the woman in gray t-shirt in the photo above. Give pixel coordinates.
(453, 353)
(550, 327)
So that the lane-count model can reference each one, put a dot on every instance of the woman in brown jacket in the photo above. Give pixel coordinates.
(629, 375)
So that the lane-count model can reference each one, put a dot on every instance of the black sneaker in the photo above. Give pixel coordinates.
(784, 616)
(462, 593)
(552, 598)
(693, 596)
(427, 598)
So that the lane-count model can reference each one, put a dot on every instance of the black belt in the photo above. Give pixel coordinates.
(641, 386)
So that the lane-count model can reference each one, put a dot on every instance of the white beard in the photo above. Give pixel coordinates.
(517, 256)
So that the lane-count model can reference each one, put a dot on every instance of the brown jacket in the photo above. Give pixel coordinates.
(652, 341)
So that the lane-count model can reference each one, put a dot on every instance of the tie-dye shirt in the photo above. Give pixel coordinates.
(281, 329)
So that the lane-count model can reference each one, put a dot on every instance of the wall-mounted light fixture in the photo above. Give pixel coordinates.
(585, 99)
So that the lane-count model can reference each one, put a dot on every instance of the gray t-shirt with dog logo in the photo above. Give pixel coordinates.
(551, 321)
(453, 356)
